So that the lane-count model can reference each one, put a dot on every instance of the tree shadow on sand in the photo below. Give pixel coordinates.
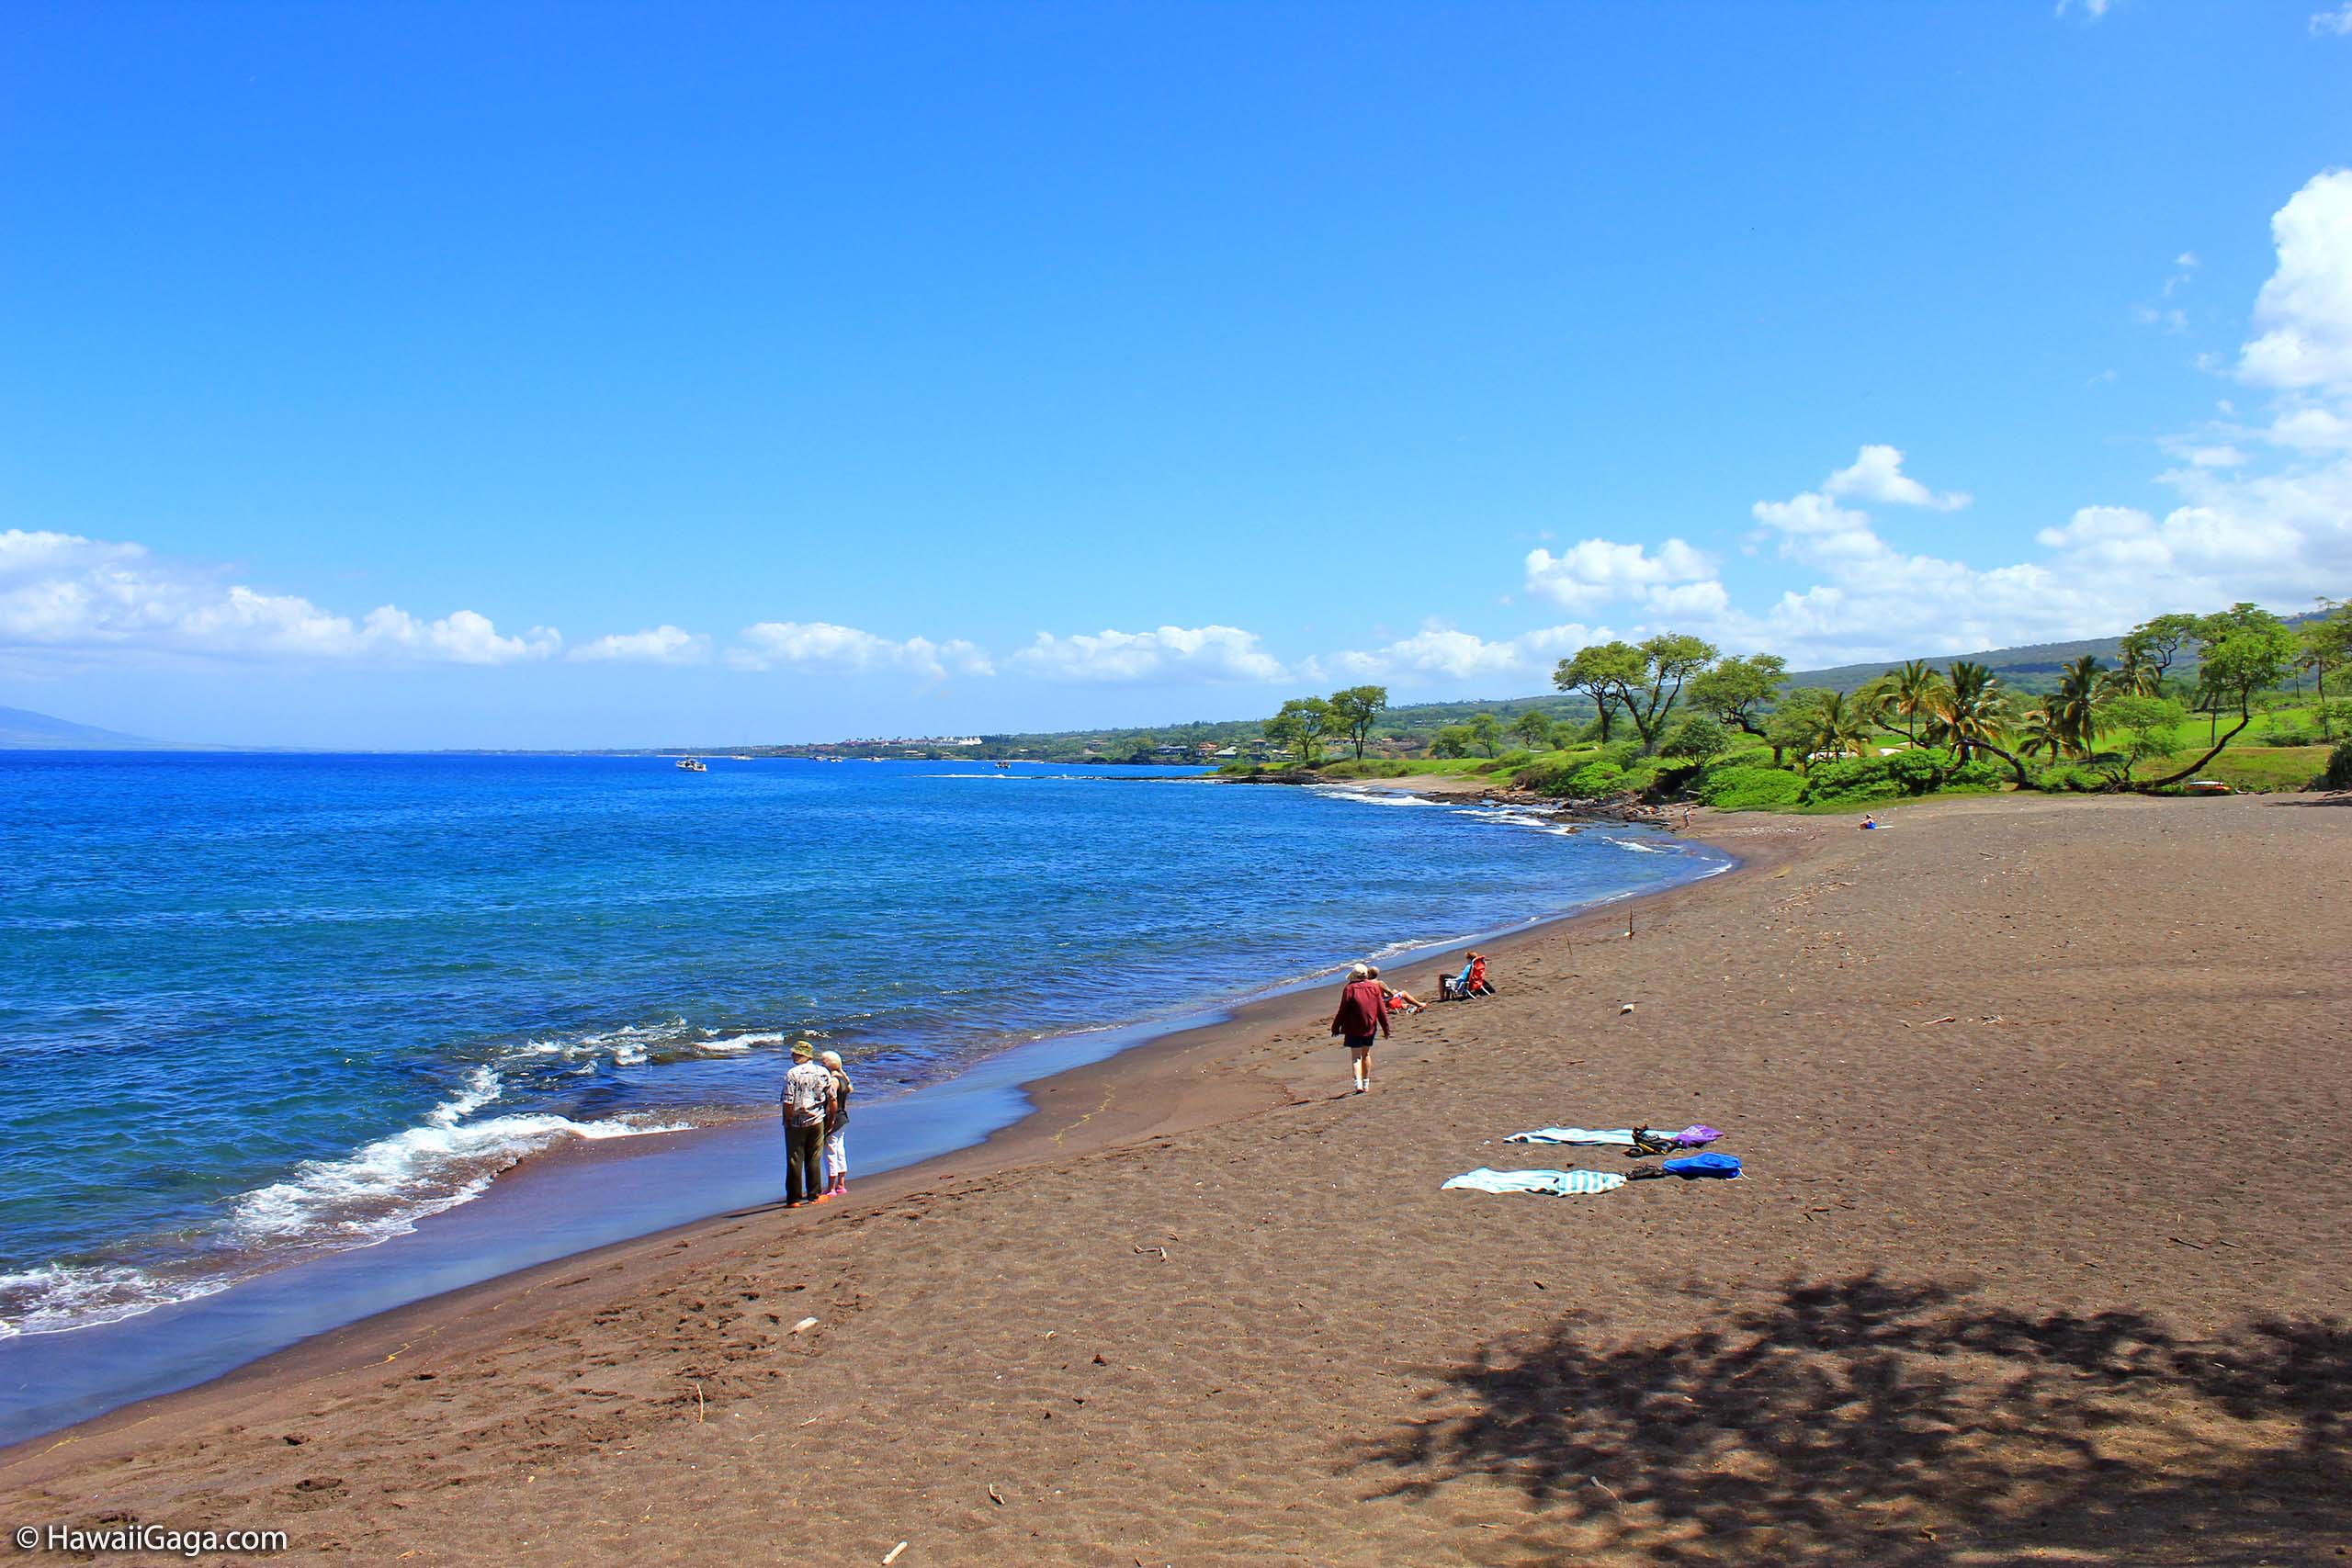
(1867, 1421)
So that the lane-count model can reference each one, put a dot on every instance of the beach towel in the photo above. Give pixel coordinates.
(1552, 1183)
(1619, 1138)
(1701, 1165)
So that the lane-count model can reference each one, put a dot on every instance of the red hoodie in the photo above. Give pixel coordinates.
(1362, 1011)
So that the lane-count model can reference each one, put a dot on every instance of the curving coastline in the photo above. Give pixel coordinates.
(563, 1189)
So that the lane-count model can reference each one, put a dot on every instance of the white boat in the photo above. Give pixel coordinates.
(693, 764)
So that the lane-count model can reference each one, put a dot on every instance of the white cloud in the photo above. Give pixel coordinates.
(821, 645)
(1440, 652)
(2305, 307)
(663, 645)
(1597, 571)
(2336, 23)
(1217, 654)
(2222, 456)
(1876, 474)
(2309, 428)
(2093, 9)
(64, 593)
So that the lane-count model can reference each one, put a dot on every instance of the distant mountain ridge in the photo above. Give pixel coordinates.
(21, 729)
(2016, 667)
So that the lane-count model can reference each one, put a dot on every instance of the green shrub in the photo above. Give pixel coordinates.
(1748, 788)
(2290, 732)
(1857, 783)
(2338, 773)
(2066, 776)
(1977, 772)
(1698, 738)
(1919, 770)
(1596, 778)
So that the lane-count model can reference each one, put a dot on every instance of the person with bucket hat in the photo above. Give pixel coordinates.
(808, 1102)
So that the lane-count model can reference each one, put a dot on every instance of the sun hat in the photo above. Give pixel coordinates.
(802, 1049)
(1359, 970)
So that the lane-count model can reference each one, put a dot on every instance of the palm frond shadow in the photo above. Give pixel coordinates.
(1866, 1420)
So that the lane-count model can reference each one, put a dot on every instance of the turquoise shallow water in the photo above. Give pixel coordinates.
(253, 1007)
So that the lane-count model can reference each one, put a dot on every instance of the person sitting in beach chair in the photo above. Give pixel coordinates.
(1472, 982)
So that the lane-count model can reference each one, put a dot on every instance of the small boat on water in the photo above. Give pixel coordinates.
(693, 764)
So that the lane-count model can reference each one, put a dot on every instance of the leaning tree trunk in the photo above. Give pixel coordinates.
(2016, 766)
(2193, 768)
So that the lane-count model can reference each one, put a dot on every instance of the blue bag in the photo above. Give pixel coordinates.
(1702, 1165)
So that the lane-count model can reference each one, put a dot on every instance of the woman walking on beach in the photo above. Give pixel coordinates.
(807, 1101)
(1363, 1017)
(836, 1152)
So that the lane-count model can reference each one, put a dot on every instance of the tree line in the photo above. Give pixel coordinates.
(1684, 698)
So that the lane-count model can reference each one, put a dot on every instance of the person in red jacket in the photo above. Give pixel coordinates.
(1363, 1017)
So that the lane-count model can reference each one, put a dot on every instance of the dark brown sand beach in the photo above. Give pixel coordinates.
(2041, 1258)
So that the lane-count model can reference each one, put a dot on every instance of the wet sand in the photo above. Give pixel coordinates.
(2044, 1102)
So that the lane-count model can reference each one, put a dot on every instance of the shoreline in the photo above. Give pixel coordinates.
(603, 1194)
(1999, 1283)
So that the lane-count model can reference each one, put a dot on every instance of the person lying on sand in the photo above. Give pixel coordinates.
(1400, 1001)
(1363, 1017)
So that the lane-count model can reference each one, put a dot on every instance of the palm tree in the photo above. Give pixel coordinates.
(1910, 694)
(1970, 711)
(1839, 726)
(2134, 675)
(2039, 731)
(2073, 709)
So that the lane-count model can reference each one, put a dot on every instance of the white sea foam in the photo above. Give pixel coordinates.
(1633, 844)
(383, 1188)
(634, 1045)
(1425, 944)
(59, 1296)
(1371, 796)
(1516, 817)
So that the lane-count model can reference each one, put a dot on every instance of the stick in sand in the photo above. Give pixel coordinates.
(893, 1556)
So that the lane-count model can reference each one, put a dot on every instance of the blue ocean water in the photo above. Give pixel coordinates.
(252, 1007)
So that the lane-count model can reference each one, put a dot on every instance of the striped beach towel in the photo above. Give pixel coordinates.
(1552, 1183)
(1619, 1137)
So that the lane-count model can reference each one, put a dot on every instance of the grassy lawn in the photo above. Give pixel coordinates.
(2249, 767)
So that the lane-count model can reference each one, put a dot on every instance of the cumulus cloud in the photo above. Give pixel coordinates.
(2333, 24)
(663, 645)
(2304, 311)
(62, 593)
(1598, 572)
(1876, 474)
(822, 645)
(1217, 654)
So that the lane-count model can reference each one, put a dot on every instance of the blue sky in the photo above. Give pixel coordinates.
(539, 375)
